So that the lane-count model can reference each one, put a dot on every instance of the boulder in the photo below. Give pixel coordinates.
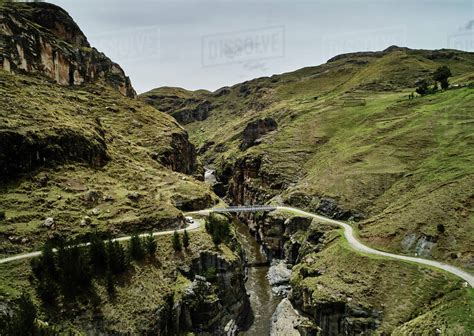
(49, 222)
(278, 273)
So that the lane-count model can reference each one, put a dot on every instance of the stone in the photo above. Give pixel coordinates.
(85, 221)
(92, 197)
(285, 320)
(95, 211)
(49, 222)
(133, 196)
(278, 273)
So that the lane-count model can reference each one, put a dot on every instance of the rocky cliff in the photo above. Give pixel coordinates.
(213, 298)
(43, 38)
(75, 149)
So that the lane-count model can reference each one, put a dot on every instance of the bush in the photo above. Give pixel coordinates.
(2, 215)
(176, 241)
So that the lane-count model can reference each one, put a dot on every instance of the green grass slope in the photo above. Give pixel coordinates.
(348, 132)
(89, 158)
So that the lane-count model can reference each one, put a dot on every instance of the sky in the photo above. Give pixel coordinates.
(211, 44)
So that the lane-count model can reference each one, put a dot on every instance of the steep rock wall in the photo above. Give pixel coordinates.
(43, 38)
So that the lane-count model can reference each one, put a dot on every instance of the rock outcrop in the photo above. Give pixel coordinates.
(23, 152)
(254, 130)
(183, 105)
(288, 322)
(180, 155)
(43, 38)
(213, 301)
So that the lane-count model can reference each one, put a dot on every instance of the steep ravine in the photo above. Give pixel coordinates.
(263, 301)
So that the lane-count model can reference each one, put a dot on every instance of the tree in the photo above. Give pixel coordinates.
(185, 239)
(135, 248)
(441, 75)
(74, 269)
(23, 321)
(116, 257)
(150, 245)
(423, 87)
(218, 228)
(176, 241)
(110, 283)
(97, 253)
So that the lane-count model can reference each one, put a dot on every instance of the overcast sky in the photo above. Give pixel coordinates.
(210, 44)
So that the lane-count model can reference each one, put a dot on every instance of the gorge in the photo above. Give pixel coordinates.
(84, 159)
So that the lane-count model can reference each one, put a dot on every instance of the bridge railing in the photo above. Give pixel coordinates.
(245, 208)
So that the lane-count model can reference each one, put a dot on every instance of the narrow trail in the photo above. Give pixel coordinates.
(194, 226)
(348, 234)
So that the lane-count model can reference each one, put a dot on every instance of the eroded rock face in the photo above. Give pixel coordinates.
(184, 110)
(255, 130)
(180, 156)
(213, 302)
(23, 152)
(43, 38)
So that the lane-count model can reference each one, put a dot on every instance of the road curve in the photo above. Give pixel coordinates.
(348, 234)
(359, 246)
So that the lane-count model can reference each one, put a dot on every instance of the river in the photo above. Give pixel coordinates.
(262, 301)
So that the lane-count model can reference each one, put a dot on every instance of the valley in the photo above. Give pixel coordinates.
(364, 182)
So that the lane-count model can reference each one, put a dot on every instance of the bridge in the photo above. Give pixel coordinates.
(245, 208)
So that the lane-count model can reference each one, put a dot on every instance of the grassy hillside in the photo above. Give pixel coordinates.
(90, 159)
(350, 143)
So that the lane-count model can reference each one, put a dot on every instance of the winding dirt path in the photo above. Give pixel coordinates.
(348, 234)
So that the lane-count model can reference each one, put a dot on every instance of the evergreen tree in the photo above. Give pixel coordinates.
(23, 321)
(135, 248)
(185, 239)
(117, 259)
(74, 269)
(110, 283)
(47, 290)
(48, 259)
(176, 241)
(150, 245)
(219, 229)
(97, 253)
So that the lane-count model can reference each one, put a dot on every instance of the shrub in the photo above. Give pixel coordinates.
(422, 87)
(2, 215)
(440, 228)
